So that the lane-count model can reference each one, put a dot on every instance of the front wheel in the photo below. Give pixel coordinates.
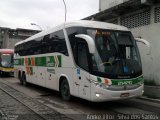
(65, 91)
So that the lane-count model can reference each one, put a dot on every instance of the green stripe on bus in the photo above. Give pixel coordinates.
(123, 81)
(29, 61)
(99, 79)
(22, 61)
(40, 61)
(133, 81)
(60, 61)
(48, 61)
(19, 61)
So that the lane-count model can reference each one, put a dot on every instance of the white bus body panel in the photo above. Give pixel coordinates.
(80, 83)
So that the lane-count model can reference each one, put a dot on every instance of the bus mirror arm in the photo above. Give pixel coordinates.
(143, 41)
(89, 41)
(146, 43)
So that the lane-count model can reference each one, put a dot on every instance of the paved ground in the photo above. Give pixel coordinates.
(82, 109)
(15, 105)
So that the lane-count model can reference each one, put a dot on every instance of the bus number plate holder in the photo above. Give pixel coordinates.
(124, 95)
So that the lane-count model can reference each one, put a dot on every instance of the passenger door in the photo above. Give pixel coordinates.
(82, 70)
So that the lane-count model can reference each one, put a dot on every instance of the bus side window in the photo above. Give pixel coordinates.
(57, 43)
(82, 59)
(72, 40)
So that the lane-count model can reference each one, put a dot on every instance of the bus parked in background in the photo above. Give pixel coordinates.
(92, 60)
(6, 61)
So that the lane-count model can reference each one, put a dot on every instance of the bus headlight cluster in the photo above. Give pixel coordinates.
(97, 95)
(101, 85)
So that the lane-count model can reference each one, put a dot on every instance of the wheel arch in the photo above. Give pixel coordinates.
(23, 72)
(19, 74)
(61, 78)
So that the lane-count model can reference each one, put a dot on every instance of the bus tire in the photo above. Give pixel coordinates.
(23, 79)
(65, 90)
(1, 73)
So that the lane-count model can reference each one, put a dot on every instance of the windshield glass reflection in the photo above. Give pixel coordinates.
(116, 53)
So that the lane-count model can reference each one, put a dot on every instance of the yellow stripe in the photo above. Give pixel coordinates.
(1, 68)
(6, 69)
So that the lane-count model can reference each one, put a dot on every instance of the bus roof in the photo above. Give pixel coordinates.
(80, 23)
(6, 51)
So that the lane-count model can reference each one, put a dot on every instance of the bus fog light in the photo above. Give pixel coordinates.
(97, 95)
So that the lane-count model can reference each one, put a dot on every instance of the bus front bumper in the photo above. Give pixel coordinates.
(101, 95)
(7, 69)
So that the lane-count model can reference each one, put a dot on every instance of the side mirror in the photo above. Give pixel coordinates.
(146, 43)
(143, 41)
(89, 41)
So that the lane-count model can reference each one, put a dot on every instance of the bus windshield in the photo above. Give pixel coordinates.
(116, 55)
(7, 60)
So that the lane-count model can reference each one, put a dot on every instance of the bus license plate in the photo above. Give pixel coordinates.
(124, 94)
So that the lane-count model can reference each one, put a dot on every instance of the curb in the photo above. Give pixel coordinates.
(149, 99)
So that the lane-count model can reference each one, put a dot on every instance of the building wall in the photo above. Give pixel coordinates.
(11, 42)
(150, 58)
(9, 37)
(145, 23)
(105, 4)
(150, 32)
(3, 37)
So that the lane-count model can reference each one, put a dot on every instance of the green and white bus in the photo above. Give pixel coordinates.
(92, 60)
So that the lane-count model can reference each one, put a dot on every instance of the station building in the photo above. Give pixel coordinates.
(142, 17)
(8, 36)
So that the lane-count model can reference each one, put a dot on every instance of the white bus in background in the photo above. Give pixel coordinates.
(92, 60)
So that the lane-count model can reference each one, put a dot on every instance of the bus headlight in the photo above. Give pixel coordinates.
(97, 95)
(101, 85)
